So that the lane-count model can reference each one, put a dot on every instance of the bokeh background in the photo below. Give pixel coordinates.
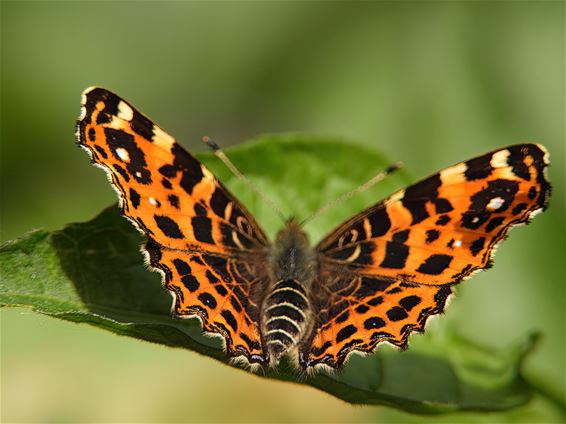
(428, 83)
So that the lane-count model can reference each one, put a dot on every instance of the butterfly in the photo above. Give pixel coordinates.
(376, 278)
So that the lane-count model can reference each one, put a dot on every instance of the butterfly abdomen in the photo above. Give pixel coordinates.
(286, 311)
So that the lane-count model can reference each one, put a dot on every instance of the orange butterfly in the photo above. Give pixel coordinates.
(376, 278)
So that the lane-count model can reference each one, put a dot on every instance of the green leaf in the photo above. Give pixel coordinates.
(93, 273)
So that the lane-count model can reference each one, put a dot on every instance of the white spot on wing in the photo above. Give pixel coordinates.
(495, 203)
(162, 139)
(83, 104)
(457, 243)
(125, 112)
(499, 159)
(454, 174)
(207, 174)
(152, 201)
(123, 154)
(396, 196)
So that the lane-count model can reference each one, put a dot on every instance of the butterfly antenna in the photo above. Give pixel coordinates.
(372, 181)
(222, 156)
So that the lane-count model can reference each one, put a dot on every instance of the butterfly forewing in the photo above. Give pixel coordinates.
(436, 232)
(198, 233)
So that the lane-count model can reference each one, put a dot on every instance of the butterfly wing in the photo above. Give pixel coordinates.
(386, 270)
(207, 245)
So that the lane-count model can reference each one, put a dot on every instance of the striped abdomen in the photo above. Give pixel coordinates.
(285, 314)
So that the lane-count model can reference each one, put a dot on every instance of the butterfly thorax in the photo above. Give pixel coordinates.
(287, 308)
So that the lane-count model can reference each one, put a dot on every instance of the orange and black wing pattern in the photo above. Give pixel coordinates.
(386, 270)
(199, 236)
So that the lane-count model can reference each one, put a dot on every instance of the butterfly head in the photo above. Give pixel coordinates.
(292, 234)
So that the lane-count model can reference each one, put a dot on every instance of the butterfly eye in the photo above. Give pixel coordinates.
(348, 238)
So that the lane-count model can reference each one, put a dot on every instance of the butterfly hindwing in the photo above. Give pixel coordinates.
(361, 310)
(199, 235)
(397, 256)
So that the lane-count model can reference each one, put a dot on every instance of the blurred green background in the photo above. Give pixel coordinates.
(428, 83)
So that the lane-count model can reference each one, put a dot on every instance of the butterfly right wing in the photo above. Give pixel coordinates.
(209, 248)
(386, 270)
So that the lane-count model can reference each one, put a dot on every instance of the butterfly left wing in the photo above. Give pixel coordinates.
(386, 270)
(209, 248)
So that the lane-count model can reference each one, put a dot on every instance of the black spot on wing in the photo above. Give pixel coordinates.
(443, 220)
(432, 235)
(166, 183)
(417, 195)
(393, 290)
(516, 160)
(190, 282)
(219, 266)
(208, 300)
(410, 302)
(532, 193)
(362, 309)
(134, 198)
(478, 168)
(396, 314)
(202, 229)
(365, 257)
(168, 226)
(379, 222)
(199, 209)
(346, 333)
(396, 255)
(211, 277)
(182, 267)
(92, 135)
(369, 286)
(141, 125)
(190, 168)
(230, 320)
(519, 208)
(378, 300)
(101, 151)
(442, 205)
(373, 323)
(435, 264)
(342, 317)
(173, 200)
(401, 236)
(494, 223)
(235, 304)
(122, 172)
(168, 171)
(219, 201)
(477, 246)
